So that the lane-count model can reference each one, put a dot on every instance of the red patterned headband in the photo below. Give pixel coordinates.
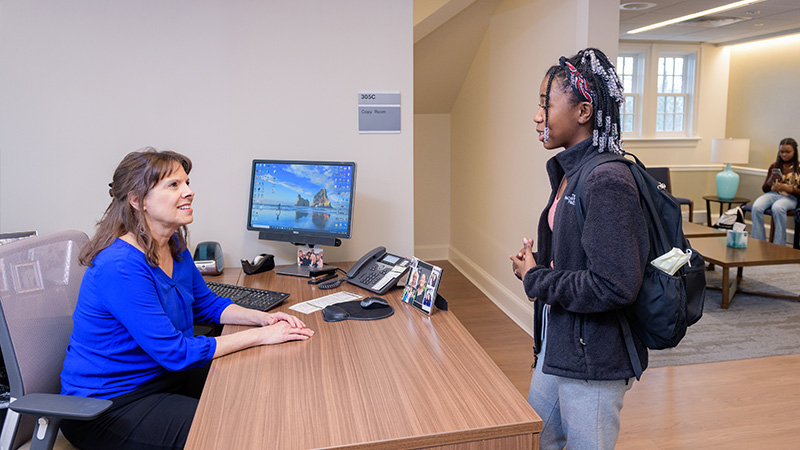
(577, 81)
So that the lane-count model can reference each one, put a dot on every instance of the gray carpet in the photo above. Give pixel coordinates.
(752, 327)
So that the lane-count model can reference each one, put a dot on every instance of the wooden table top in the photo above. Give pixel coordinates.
(757, 253)
(408, 381)
(694, 230)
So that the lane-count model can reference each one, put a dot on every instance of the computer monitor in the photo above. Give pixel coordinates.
(302, 202)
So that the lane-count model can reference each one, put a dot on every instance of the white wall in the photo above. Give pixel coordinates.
(86, 81)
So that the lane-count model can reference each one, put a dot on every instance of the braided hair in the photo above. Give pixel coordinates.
(591, 77)
(779, 161)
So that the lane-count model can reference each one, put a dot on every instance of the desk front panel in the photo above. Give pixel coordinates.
(409, 381)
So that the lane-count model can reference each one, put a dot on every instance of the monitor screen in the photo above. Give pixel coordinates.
(304, 202)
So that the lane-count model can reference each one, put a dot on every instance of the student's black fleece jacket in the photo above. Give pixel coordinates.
(593, 274)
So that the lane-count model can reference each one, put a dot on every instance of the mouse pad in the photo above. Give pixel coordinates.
(352, 310)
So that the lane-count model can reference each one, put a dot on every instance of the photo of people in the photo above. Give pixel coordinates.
(423, 281)
(310, 257)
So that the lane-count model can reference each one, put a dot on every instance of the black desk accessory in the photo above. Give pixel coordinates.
(353, 310)
(261, 263)
(208, 258)
(422, 285)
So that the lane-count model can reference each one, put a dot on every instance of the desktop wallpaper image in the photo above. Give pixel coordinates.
(311, 197)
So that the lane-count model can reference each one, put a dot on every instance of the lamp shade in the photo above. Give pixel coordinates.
(730, 151)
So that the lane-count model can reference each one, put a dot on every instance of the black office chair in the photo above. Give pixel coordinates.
(662, 174)
(39, 281)
(768, 212)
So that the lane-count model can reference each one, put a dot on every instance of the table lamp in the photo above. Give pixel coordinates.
(729, 151)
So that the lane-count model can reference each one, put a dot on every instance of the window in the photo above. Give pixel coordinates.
(627, 73)
(671, 99)
(658, 84)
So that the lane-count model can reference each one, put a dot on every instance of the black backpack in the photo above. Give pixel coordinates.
(667, 304)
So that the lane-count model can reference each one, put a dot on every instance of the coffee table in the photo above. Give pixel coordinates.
(757, 253)
(695, 230)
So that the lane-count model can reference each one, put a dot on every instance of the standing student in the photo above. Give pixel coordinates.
(579, 280)
(781, 189)
(133, 340)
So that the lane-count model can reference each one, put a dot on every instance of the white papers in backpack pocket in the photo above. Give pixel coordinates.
(671, 261)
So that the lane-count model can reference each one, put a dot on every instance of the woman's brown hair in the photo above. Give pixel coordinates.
(135, 176)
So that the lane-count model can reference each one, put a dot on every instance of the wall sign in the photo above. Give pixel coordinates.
(378, 112)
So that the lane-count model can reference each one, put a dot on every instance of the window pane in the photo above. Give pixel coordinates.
(670, 105)
(678, 66)
(660, 104)
(668, 125)
(627, 83)
(661, 64)
(628, 125)
(679, 101)
(660, 123)
(679, 122)
(628, 105)
(678, 85)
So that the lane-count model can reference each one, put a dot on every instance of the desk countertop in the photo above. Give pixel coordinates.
(408, 381)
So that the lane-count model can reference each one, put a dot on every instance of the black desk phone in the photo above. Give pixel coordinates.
(378, 271)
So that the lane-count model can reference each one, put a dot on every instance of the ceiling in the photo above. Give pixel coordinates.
(447, 34)
(767, 18)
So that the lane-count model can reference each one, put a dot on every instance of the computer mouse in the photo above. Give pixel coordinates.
(333, 313)
(373, 302)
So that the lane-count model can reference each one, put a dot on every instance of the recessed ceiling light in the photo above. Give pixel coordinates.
(636, 6)
(727, 7)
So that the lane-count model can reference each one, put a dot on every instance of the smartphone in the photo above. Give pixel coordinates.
(776, 175)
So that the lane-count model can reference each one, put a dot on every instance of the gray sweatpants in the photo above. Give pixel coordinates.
(576, 414)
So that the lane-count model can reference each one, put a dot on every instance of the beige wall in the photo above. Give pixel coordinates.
(431, 186)
(86, 81)
(764, 95)
(498, 180)
(762, 103)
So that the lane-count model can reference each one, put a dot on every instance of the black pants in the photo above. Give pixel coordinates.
(156, 416)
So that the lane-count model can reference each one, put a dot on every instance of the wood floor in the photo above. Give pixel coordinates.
(747, 404)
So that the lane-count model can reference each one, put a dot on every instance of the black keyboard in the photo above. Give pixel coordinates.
(252, 298)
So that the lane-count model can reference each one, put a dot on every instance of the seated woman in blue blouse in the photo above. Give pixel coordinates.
(133, 340)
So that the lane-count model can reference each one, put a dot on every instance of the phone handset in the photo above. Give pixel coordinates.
(375, 253)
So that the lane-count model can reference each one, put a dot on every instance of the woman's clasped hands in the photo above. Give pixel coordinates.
(523, 261)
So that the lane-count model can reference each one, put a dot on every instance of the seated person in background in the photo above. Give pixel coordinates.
(133, 340)
(782, 187)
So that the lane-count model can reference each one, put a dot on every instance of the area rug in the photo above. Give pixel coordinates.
(753, 326)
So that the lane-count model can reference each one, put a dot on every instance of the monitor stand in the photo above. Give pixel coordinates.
(300, 271)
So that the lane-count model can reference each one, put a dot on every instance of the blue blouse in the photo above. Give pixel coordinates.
(133, 323)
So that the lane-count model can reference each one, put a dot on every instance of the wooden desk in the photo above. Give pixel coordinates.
(406, 382)
(694, 230)
(757, 253)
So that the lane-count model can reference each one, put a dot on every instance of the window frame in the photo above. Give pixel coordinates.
(649, 54)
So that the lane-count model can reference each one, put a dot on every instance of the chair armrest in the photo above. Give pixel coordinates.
(60, 406)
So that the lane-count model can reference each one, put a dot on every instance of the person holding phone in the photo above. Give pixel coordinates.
(781, 189)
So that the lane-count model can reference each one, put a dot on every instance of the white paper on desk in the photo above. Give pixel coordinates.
(318, 304)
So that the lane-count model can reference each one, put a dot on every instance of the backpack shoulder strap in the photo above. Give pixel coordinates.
(644, 196)
(588, 166)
